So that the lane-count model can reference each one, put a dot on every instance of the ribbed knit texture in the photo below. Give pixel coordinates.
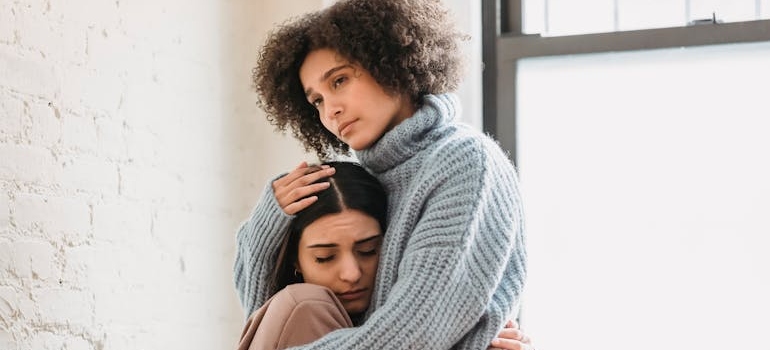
(452, 265)
(258, 241)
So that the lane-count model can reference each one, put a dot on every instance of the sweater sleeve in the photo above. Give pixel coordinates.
(257, 244)
(463, 264)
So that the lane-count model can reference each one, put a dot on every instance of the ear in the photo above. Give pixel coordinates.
(297, 268)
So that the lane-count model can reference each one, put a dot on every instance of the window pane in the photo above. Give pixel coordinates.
(533, 20)
(567, 17)
(645, 178)
(644, 14)
(725, 10)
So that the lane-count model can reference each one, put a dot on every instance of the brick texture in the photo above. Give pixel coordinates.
(130, 149)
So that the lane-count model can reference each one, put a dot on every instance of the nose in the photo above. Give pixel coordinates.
(333, 108)
(350, 270)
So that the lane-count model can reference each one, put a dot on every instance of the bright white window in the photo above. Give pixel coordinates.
(644, 14)
(645, 181)
(764, 9)
(569, 17)
(724, 10)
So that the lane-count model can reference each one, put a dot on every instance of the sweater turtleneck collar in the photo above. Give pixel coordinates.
(411, 135)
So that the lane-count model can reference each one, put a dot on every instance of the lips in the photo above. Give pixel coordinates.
(344, 127)
(352, 295)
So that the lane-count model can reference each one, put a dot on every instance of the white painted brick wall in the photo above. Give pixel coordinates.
(5, 212)
(130, 151)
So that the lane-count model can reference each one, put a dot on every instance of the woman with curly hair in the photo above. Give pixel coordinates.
(376, 77)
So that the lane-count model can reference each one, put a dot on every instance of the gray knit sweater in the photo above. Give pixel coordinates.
(453, 260)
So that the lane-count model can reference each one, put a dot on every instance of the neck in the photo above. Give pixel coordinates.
(407, 110)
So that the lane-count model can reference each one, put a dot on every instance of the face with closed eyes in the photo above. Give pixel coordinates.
(341, 251)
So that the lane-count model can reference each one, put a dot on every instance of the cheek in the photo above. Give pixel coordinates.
(314, 276)
(309, 271)
(327, 125)
(312, 272)
(370, 266)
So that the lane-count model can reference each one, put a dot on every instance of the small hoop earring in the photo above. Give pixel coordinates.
(297, 274)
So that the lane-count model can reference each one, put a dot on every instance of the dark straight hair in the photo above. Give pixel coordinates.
(351, 187)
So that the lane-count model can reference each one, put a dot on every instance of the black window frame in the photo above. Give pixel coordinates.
(504, 44)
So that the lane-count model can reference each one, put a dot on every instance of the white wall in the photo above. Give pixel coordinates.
(276, 153)
(129, 148)
(468, 19)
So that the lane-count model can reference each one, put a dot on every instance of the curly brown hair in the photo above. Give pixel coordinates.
(410, 47)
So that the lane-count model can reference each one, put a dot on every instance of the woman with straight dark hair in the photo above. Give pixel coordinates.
(326, 265)
(351, 188)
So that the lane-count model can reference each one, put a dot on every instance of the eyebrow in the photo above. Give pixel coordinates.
(332, 245)
(328, 73)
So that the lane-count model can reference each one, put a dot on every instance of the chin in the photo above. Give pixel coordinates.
(356, 146)
(353, 312)
(358, 141)
(355, 309)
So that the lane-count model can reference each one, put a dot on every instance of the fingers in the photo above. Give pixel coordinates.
(512, 334)
(301, 170)
(502, 343)
(512, 338)
(297, 190)
(507, 344)
(512, 324)
(297, 206)
(293, 191)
